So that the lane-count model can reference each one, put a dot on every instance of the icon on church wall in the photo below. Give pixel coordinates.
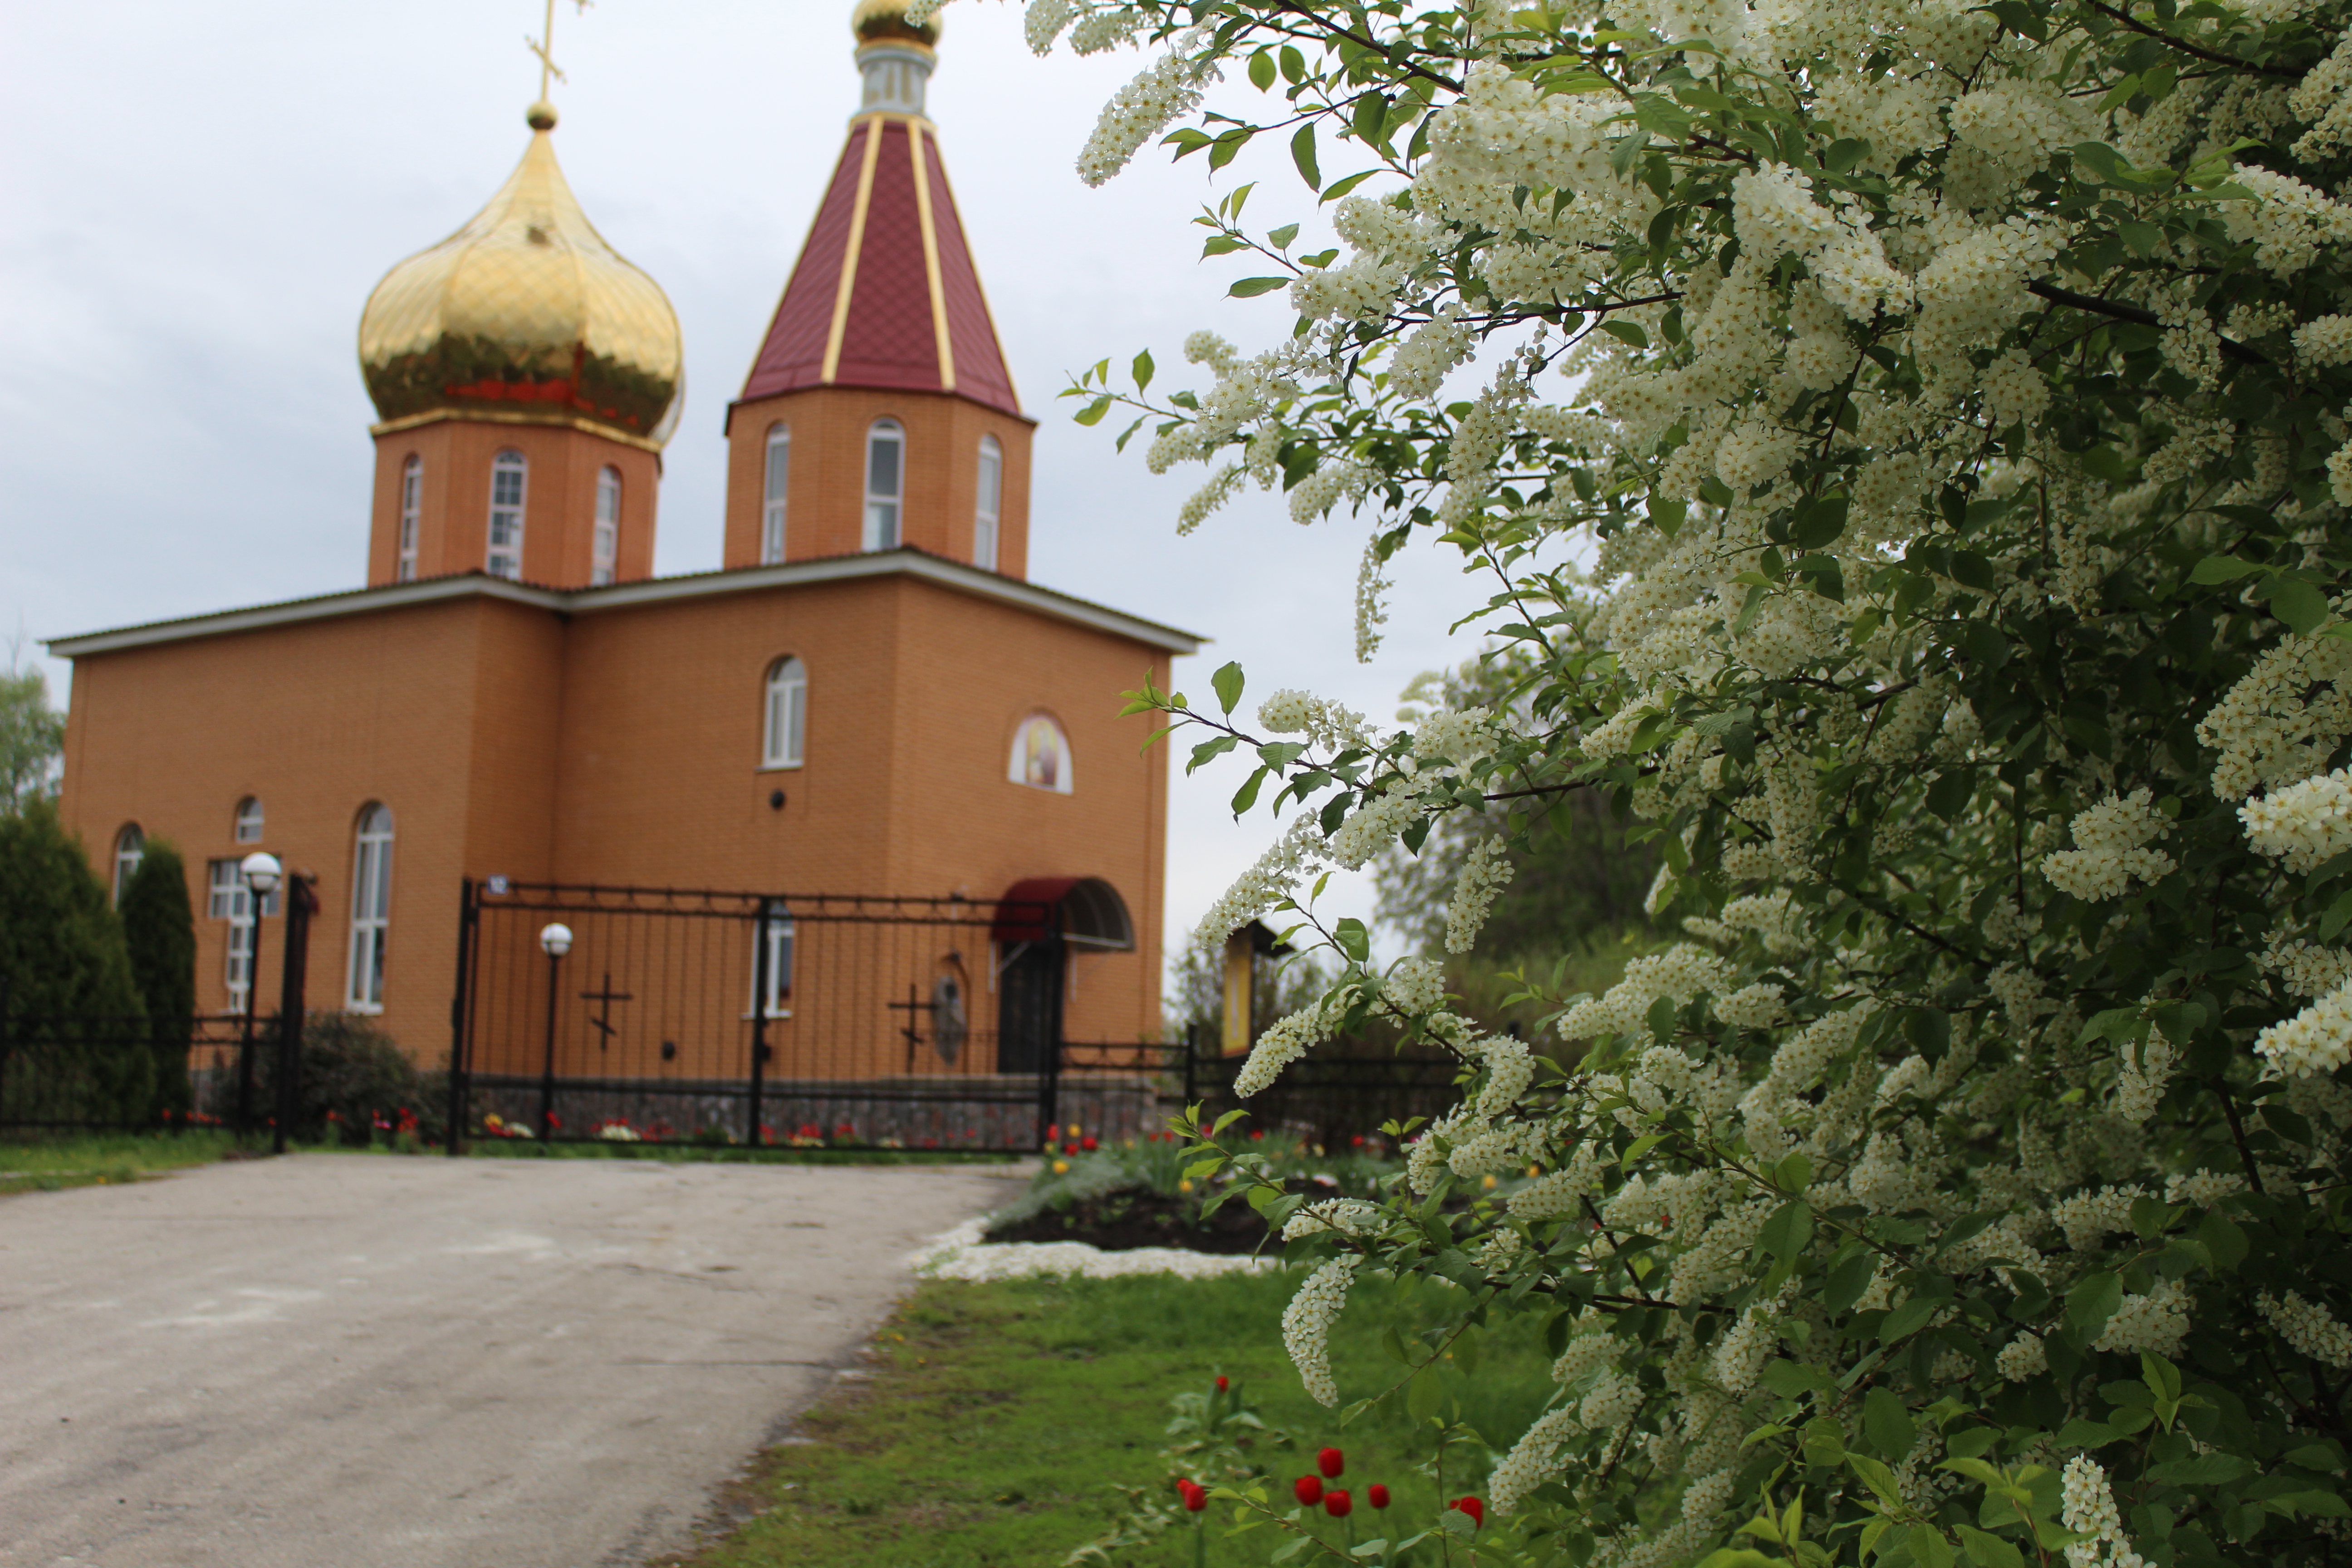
(1041, 756)
(950, 1023)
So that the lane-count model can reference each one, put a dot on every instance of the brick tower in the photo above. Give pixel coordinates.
(879, 412)
(527, 377)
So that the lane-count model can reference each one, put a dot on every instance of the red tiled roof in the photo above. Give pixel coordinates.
(888, 223)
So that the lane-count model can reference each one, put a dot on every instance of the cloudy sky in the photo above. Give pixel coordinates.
(199, 198)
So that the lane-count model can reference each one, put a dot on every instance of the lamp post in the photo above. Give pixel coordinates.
(261, 872)
(555, 940)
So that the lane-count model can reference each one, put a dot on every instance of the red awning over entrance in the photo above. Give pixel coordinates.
(1086, 911)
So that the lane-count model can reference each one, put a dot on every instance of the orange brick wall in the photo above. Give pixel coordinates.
(622, 746)
(825, 500)
(559, 501)
(316, 721)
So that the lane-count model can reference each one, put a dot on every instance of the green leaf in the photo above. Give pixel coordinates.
(1246, 796)
(1784, 1235)
(1844, 153)
(1093, 412)
(1250, 288)
(1228, 682)
(1794, 1174)
(1888, 1424)
(1261, 70)
(1989, 1551)
(1949, 794)
(2224, 1239)
(1206, 749)
(1627, 332)
(2213, 1469)
(1909, 1318)
(1302, 153)
(1143, 368)
(2094, 1300)
(1848, 1280)
(1281, 238)
(2223, 569)
(1661, 1019)
(1982, 641)
(1639, 1147)
(2299, 605)
(1928, 1547)
(1817, 522)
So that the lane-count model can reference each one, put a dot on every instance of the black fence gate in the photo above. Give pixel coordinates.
(631, 1014)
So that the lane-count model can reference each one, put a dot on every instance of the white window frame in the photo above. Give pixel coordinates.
(607, 542)
(247, 826)
(885, 510)
(776, 483)
(228, 897)
(130, 849)
(503, 556)
(780, 931)
(412, 516)
(371, 910)
(989, 505)
(783, 727)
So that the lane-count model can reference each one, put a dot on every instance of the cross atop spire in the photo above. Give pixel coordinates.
(544, 46)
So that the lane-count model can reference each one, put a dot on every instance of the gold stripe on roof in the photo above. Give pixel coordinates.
(850, 251)
(931, 256)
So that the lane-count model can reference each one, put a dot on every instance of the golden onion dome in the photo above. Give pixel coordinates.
(885, 21)
(526, 315)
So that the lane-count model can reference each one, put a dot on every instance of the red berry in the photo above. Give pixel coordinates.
(1377, 1495)
(1474, 1508)
(1337, 1504)
(1309, 1490)
(1330, 1463)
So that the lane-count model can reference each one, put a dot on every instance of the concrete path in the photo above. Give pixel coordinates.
(344, 1361)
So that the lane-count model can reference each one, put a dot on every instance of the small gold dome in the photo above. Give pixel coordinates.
(885, 21)
(526, 315)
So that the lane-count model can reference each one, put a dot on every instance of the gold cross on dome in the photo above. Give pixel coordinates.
(544, 46)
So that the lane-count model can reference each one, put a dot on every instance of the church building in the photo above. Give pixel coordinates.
(870, 697)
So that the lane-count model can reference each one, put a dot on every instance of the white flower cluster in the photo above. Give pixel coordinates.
(1680, 973)
(2289, 222)
(1484, 870)
(2141, 1078)
(1306, 1326)
(2089, 1218)
(2110, 848)
(1324, 723)
(2305, 824)
(2310, 1328)
(2087, 1506)
(1285, 1040)
(1415, 986)
(1333, 1216)
(2283, 716)
(1141, 111)
(2156, 1321)
(2317, 1039)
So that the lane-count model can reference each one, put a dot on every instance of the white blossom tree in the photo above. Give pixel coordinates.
(1909, 449)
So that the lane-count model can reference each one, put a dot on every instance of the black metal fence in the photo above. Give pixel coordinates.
(98, 1074)
(642, 1014)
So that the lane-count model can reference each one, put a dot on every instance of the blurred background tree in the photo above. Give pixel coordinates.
(32, 737)
(159, 926)
(1580, 875)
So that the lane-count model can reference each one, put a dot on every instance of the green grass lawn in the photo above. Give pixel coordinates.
(95, 1159)
(997, 1421)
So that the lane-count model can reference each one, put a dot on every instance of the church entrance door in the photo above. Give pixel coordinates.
(1029, 1005)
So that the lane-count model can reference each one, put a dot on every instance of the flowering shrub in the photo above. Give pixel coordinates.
(1908, 442)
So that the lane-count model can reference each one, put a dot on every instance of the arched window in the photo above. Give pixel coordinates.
(371, 908)
(778, 929)
(787, 714)
(130, 849)
(608, 526)
(412, 512)
(885, 483)
(992, 491)
(249, 820)
(1041, 756)
(777, 482)
(508, 474)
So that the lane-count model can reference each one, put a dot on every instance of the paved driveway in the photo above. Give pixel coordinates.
(342, 1361)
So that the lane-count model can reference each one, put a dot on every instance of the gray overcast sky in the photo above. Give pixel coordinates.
(198, 199)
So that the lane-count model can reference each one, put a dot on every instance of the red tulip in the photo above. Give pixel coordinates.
(1474, 1508)
(1330, 1463)
(1069, 1147)
(1087, 1143)
(1222, 1385)
(1195, 1495)
(1309, 1490)
(1377, 1495)
(1337, 1504)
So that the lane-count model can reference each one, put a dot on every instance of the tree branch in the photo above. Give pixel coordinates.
(2186, 47)
(2123, 312)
